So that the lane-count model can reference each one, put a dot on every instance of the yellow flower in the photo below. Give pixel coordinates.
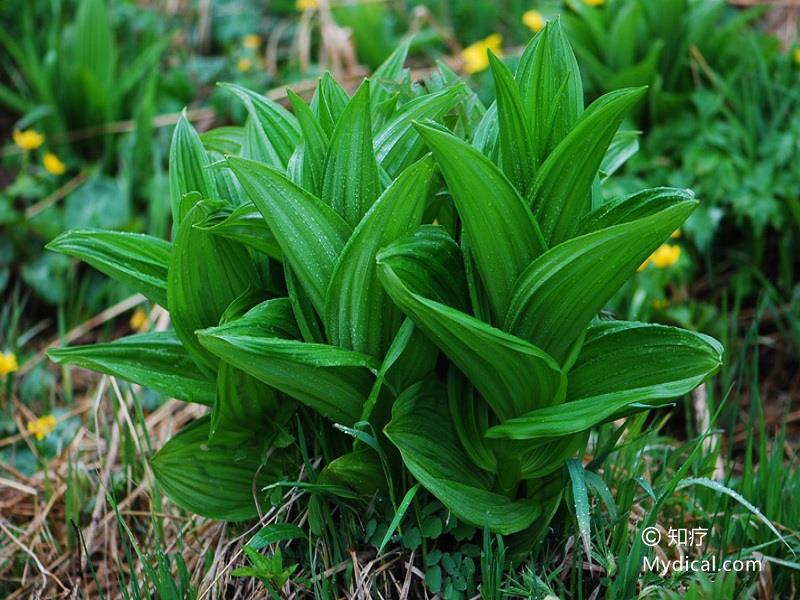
(53, 164)
(42, 426)
(30, 139)
(534, 20)
(8, 363)
(306, 4)
(252, 41)
(244, 64)
(660, 303)
(796, 56)
(676, 234)
(475, 56)
(665, 256)
(594, 2)
(139, 321)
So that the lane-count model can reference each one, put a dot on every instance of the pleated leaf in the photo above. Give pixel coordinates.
(315, 142)
(622, 355)
(154, 360)
(636, 206)
(398, 144)
(206, 274)
(550, 88)
(350, 183)
(279, 125)
(188, 167)
(358, 314)
(422, 430)
(561, 191)
(310, 234)
(559, 294)
(511, 374)
(390, 71)
(329, 101)
(502, 233)
(212, 479)
(516, 148)
(333, 381)
(246, 225)
(134, 259)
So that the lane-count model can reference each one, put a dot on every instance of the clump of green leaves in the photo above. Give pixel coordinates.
(406, 261)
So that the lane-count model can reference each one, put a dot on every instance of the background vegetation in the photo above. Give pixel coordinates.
(91, 91)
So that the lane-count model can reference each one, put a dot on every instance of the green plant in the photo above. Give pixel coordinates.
(321, 267)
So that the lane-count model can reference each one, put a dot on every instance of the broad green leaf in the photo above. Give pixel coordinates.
(256, 146)
(430, 262)
(470, 416)
(422, 430)
(636, 206)
(329, 101)
(224, 140)
(154, 360)
(561, 191)
(550, 88)
(501, 231)
(206, 274)
(212, 479)
(188, 167)
(358, 314)
(333, 381)
(561, 291)
(360, 470)
(350, 183)
(138, 260)
(516, 150)
(511, 374)
(310, 234)
(280, 126)
(246, 225)
(315, 142)
(398, 144)
(622, 355)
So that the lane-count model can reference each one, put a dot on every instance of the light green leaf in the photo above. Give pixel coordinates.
(422, 430)
(635, 206)
(358, 314)
(154, 360)
(280, 126)
(206, 274)
(246, 225)
(516, 150)
(561, 291)
(329, 101)
(561, 191)
(188, 168)
(550, 88)
(193, 472)
(138, 260)
(351, 153)
(512, 375)
(389, 72)
(502, 233)
(315, 143)
(310, 234)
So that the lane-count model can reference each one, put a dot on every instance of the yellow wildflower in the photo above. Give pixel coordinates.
(660, 303)
(139, 321)
(8, 363)
(665, 256)
(53, 164)
(475, 56)
(42, 426)
(244, 64)
(533, 20)
(30, 139)
(306, 4)
(676, 234)
(594, 2)
(252, 41)
(796, 56)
